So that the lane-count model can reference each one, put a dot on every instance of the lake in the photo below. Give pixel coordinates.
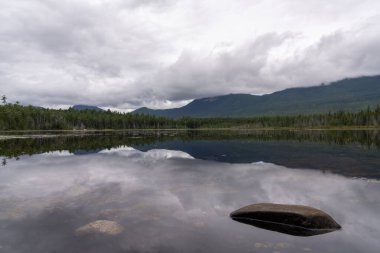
(174, 191)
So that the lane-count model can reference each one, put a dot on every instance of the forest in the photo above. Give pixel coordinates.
(18, 117)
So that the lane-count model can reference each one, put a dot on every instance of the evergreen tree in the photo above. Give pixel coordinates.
(4, 99)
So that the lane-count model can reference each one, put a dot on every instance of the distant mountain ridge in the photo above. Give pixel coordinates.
(348, 94)
(87, 107)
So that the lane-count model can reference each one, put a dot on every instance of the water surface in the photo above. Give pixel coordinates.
(173, 192)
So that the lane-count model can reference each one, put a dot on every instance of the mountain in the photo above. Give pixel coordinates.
(87, 107)
(349, 94)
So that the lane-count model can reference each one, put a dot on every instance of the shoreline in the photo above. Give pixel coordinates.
(24, 134)
(204, 129)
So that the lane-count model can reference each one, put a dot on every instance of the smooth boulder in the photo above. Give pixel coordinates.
(289, 219)
(100, 227)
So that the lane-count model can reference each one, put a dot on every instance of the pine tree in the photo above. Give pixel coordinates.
(4, 99)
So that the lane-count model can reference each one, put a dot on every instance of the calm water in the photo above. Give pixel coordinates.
(173, 192)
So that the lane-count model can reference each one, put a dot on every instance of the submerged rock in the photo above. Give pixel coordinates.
(100, 226)
(289, 219)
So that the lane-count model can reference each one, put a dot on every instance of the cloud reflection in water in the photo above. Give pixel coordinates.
(169, 202)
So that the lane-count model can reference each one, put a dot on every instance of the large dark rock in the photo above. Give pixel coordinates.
(289, 219)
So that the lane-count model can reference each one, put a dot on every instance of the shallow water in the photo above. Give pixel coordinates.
(174, 192)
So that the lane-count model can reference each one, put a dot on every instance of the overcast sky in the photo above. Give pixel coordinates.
(162, 53)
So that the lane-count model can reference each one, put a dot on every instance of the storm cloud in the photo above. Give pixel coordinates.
(125, 54)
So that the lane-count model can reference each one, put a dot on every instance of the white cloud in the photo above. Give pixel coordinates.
(126, 54)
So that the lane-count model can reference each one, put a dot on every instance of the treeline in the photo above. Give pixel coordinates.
(94, 142)
(72, 143)
(17, 117)
(364, 118)
(363, 138)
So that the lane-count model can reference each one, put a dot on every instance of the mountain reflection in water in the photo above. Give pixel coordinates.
(349, 153)
(171, 201)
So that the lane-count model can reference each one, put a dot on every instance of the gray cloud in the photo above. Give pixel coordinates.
(251, 68)
(236, 70)
(126, 54)
(148, 3)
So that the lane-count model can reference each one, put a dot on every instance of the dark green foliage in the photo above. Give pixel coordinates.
(365, 118)
(16, 117)
(348, 95)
